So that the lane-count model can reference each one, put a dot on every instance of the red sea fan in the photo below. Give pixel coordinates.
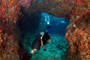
(25, 3)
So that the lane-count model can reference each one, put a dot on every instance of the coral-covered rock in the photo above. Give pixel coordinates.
(8, 43)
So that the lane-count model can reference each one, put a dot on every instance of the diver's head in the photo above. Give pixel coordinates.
(48, 23)
(42, 33)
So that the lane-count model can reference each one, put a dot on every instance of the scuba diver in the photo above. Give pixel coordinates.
(47, 23)
(42, 39)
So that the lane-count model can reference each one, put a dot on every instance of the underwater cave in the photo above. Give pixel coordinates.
(33, 24)
(22, 20)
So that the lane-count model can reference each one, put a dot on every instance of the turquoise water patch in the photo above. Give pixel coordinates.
(39, 1)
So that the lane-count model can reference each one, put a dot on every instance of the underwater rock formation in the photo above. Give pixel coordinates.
(9, 10)
(78, 39)
(78, 31)
(53, 7)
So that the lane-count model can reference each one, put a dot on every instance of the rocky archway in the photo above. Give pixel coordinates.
(78, 34)
(31, 26)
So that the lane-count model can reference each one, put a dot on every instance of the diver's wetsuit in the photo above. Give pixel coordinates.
(45, 38)
(37, 42)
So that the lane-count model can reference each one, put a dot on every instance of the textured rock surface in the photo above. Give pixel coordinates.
(8, 42)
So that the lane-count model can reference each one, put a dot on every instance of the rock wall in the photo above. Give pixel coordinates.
(9, 10)
(78, 37)
(77, 33)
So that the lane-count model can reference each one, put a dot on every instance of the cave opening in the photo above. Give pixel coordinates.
(31, 25)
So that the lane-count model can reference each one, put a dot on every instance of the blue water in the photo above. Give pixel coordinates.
(39, 1)
(58, 25)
